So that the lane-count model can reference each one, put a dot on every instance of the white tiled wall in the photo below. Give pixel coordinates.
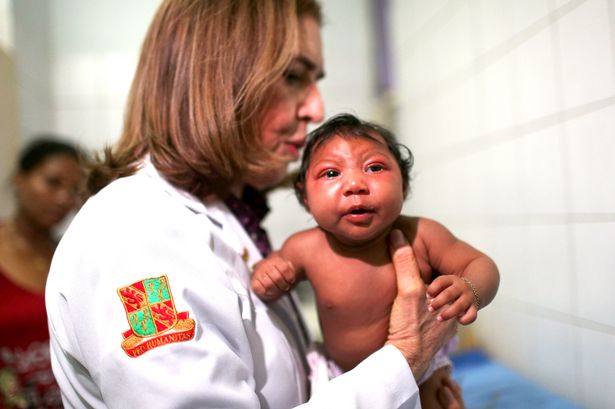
(32, 50)
(76, 61)
(96, 51)
(598, 350)
(509, 107)
(90, 93)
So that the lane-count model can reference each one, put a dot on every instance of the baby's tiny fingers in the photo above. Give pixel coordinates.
(452, 311)
(275, 280)
(447, 296)
(287, 270)
(469, 316)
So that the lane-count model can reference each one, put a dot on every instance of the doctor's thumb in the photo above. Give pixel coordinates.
(404, 262)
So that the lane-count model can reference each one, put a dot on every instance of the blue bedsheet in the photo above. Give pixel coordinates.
(487, 384)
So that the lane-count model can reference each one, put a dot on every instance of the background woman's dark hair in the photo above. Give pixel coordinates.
(350, 125)
(43, 147)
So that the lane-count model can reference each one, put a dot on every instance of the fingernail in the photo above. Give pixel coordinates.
(430, 308)
(439, 318)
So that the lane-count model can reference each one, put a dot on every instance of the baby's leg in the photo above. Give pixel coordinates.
(428, 390)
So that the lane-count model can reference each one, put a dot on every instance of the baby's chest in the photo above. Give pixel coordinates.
(354, 286)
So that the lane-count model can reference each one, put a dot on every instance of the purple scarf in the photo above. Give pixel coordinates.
(250, 210)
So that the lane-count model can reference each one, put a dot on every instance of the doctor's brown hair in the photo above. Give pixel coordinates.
(200, 89)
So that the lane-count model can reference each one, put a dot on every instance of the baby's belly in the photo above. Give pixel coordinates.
(351, 337)
(354, 305)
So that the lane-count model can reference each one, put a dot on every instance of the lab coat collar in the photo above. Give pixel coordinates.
(186, 198)
(213, 208)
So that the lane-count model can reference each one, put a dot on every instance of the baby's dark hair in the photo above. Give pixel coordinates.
(350, 125)
(43, 147)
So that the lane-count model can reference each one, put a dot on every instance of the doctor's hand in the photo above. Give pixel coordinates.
(413, 329)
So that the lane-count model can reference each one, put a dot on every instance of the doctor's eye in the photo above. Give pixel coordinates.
(296, 77)
(292, 78)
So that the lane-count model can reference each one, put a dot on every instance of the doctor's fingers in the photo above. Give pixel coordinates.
(435, 333)
(409, 281)
(409, 315)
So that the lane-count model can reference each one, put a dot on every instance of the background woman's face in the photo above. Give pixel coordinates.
(295, 102)
(48, 192)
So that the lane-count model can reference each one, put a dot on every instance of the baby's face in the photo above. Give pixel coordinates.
(353, 188)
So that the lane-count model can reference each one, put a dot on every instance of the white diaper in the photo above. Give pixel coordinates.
(323, 369)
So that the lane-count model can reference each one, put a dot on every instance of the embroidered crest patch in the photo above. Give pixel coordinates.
(152, 316)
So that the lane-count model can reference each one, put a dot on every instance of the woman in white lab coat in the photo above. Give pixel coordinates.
(148, 296)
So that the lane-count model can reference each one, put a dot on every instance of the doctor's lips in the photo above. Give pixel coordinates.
(294, 147)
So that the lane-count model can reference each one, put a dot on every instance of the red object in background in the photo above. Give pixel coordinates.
(26, 379)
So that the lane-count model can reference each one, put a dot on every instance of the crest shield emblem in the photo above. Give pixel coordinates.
(152, 316)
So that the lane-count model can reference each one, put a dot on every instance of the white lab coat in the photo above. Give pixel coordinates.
(235, 351)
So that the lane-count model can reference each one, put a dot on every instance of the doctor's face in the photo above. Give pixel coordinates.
(295, 102)
(354, 188)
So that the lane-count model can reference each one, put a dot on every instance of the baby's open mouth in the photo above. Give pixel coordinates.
(358, 210)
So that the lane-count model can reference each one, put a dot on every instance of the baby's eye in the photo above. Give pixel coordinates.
(330, 174)
(375, 168)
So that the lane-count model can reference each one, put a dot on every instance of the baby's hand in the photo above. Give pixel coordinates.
(452, 290)
(272, 277)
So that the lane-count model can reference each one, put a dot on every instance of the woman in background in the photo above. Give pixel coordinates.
(47, 184)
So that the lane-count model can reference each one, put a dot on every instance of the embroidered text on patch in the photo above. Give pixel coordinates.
(152, 316)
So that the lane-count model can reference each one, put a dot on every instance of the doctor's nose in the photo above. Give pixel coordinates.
(312, 108)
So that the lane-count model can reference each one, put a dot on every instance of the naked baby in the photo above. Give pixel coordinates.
(353, 179)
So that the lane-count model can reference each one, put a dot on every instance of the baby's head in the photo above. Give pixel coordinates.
(347, 125)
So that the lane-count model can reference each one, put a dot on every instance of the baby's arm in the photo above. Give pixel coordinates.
(469, 279)
(278, 273)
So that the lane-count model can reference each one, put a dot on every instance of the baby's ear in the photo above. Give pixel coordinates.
(405, 189)
(300, 189)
